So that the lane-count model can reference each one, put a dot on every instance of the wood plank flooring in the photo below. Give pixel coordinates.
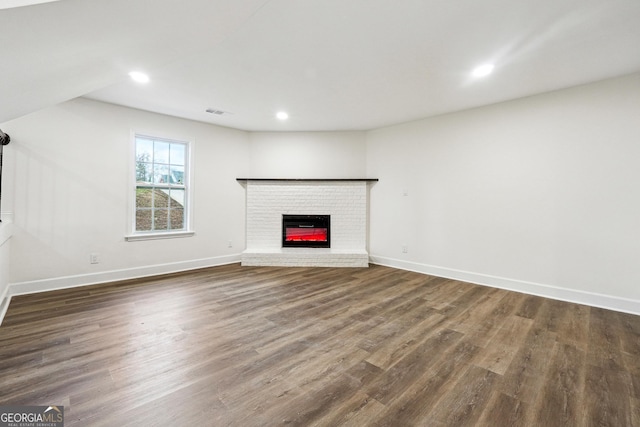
(269, 346)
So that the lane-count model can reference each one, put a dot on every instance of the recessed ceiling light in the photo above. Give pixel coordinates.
(139, 77)
(282, 115)
(483, 70)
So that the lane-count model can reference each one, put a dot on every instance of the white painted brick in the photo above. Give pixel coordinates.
(346, 202)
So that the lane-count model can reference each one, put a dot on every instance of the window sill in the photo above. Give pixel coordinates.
(158, 236)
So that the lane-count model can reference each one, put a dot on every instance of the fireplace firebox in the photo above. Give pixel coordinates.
(306, 231)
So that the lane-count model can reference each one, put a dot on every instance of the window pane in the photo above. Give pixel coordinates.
(161, 174)
(160, 152)
(177, 198)
(177, 219)
(160, 198)
(160, 219)
(143, 220)
(143, 197)
(177, 153)
(144, 172)
(144, 150)
(177, 175)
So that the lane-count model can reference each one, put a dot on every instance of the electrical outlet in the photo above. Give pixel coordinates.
(405, 249)
(94, 258)
(230, 245)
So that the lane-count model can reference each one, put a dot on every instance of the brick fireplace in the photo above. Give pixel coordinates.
(344, 200)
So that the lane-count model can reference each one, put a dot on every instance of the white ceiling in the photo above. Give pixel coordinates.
(332, 64)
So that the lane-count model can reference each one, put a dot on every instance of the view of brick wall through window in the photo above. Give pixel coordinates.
(161, 186)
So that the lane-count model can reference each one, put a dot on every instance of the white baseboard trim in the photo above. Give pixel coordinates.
(34, 286)
(609, 302)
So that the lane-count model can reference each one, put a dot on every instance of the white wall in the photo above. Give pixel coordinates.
(70, 193)
(308, 154)
(540, 194)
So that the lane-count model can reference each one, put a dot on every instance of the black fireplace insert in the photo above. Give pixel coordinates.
(306, 231)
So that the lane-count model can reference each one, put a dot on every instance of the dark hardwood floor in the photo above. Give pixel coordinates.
(268, 346)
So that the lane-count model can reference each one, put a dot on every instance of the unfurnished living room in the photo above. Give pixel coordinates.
(320, 213)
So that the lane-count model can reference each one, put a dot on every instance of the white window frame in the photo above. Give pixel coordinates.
(132, 235)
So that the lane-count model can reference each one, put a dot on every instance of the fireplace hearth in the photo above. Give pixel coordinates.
(306, 231)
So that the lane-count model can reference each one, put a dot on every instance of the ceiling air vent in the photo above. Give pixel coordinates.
(216, 111)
